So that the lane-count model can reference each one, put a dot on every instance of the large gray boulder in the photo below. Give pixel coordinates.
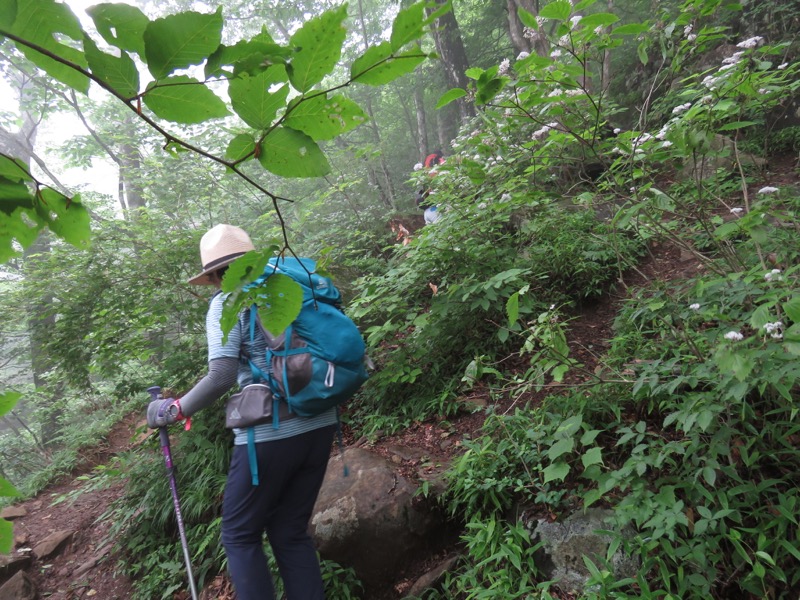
(566, 543)
(370, 520)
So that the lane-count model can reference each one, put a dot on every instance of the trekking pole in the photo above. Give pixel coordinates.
(155, 394)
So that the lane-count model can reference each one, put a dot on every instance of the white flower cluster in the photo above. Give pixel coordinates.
(774, 275)
(774, 330)
(522, 55)
(575, 20)
(505, 197)
(733, 58)
(543, 131)
(694, 306)
(768, 190)
(555, 53)
(710, 82)
(417, 166)
(753, 42)
(734, 336)
(505, 66)
(681, 108)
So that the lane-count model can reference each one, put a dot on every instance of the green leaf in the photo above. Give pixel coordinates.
(761, 316)
(631, 29)
(641, 51)
(408, 25)
(119, 73)
(245, 269)
(598, 20)
(558, 10)
(8, 13)
(556, 472)
(527, 18)
(181, 40)
(120, 25)
(43, 23)
(792, 309)
(183, 99)
(257, 99)
(737, 125)
(561, 447)
(594, 456)
(247, 56)
(6, 536)
(240, 147)
(325, 118)
(290, 153)
(279, 302)
(13, 169)
(449, 96)
(7, 401)
(66, 217)
(318, 47)
(488, 88)
(512, 308)
(378, 66)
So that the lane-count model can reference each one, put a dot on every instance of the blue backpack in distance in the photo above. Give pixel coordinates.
(323, 364)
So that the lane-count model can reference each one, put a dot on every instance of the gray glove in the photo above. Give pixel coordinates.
(163, 412)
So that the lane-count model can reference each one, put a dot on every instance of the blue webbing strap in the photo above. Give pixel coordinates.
(251, 455)
(251, 432)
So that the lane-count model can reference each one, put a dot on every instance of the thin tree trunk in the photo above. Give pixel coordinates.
(450, 46)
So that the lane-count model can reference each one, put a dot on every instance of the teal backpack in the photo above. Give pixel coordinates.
(323, 363)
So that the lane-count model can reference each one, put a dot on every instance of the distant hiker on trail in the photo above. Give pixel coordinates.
(290, 459)
(431, 161)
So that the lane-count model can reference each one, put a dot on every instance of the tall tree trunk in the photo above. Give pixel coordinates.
(130, 163)
(40, 314)
(422, 123)
(523, 39)
(450, 46)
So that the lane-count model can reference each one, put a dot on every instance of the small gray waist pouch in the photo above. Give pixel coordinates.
(251, 406)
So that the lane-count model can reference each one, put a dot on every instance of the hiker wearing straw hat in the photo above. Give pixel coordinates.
(291, 459)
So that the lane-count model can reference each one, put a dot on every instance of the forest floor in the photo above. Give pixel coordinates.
(87, 567)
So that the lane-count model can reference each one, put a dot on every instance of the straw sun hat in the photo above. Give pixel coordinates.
(220, 246)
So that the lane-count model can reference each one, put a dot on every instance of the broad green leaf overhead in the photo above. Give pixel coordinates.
(181, 40)
(245, 270)
(8, 12)
(183, 99)
(254, 98)
(407, 26)
(246, 56)
(317, 48)
(378, 66)
(120, 25)
(325, 118)
(43, 22)
(119, 73)
(279, 301)
(240, 146)
(66, 217)
(290, 153)
(13, 169)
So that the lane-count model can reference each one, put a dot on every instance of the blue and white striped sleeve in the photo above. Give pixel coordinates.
(216, 349)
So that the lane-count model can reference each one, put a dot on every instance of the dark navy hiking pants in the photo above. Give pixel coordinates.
(290, 474)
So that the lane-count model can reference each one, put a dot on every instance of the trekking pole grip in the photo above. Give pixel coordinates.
(163, 434)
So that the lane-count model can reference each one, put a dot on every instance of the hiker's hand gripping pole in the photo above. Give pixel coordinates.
(155, 394)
